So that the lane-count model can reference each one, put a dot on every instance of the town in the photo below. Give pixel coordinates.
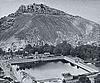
(14, 61)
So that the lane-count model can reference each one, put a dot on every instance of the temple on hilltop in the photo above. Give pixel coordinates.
(36, 9)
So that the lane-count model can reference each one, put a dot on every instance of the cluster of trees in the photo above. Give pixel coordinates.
(87, 52)
(60, 49)
(81, 79)
(2, 20)
(84, 79)
(84, 51)
(5, 23)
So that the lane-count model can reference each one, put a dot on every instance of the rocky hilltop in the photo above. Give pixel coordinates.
(38, 23)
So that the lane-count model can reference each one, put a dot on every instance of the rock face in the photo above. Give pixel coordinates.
(39, 23)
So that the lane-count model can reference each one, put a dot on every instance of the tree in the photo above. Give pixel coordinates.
(46, 48)
(66, 48)
(72, 52)
(28, 48)
(57, 51)
(84, 79)
(39, 49)
(86, 52)
(42, 6)
(52, 49)
(63, 48)
(1, 51)
(63, 81)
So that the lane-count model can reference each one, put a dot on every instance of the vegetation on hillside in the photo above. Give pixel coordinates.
(53, 25)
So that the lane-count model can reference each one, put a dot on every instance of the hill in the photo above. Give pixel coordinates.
(38, 23)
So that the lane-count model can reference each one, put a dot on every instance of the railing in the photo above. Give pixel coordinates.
(47, 58)
(82, 65)
(24, 60)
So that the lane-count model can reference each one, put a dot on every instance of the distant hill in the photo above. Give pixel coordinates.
(37, 22)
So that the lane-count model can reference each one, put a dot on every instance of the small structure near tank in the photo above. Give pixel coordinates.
(67, 76)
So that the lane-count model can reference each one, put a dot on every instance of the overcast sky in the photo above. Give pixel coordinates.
(89, 9)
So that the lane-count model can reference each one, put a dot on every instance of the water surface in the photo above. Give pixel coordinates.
(52, 70)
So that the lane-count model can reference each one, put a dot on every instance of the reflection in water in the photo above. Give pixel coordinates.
(51, 70)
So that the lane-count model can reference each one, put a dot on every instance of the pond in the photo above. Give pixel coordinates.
(50, 70)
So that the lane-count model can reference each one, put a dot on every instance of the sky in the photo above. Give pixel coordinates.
(89, 9)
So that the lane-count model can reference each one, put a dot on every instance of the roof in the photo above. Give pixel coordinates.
(66, 75)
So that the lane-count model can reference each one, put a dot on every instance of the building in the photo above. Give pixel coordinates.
(67, 76)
